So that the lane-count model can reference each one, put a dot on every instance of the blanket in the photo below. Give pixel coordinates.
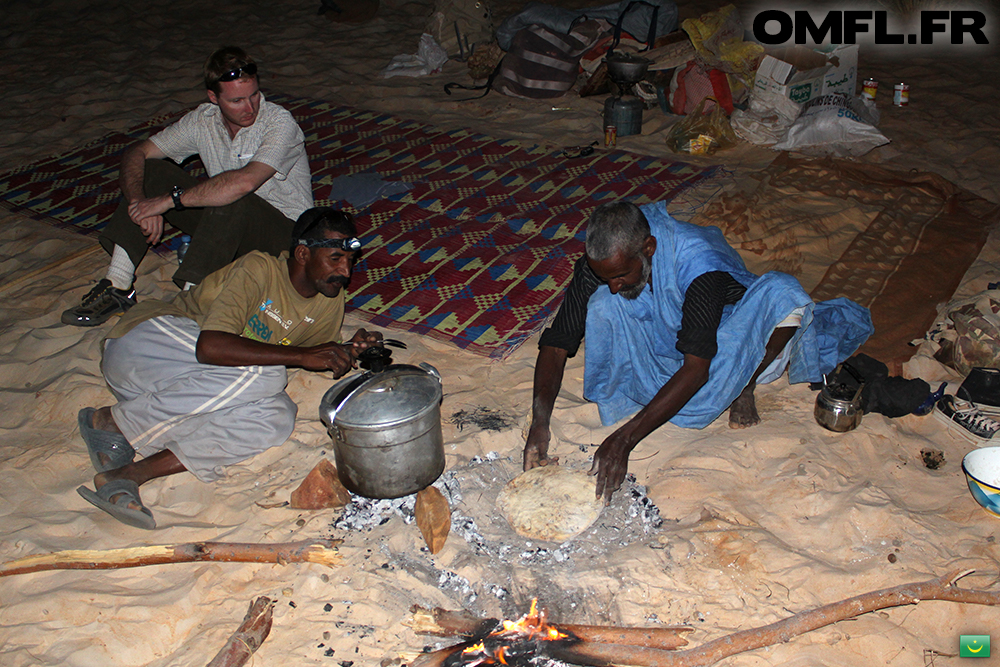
(476, 252)
(896, 243)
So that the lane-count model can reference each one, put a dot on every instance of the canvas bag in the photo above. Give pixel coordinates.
(560, 20)
(459, 25)
(542, 63)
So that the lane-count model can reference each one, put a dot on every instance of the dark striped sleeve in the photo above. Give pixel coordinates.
(701, 313)
(570, 323)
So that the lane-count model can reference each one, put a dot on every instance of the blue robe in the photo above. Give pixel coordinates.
(631, 344)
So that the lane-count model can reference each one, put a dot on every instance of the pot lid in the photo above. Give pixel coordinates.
(397, 394)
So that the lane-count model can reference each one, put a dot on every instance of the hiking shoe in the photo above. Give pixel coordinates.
(967, 420)
(982, 387)
(99, 304)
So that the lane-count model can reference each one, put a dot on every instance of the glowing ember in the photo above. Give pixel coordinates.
(515, 644)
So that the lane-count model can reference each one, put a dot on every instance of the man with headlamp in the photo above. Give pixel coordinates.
(259, 183)
(200, 381)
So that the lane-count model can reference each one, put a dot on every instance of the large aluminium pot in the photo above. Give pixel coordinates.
(386, 430)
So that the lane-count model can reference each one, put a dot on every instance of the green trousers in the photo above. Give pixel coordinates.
(218, 234)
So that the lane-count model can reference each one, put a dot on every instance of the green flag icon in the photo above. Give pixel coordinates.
(974, 646)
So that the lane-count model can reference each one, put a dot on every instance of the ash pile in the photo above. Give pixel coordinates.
(495, 549)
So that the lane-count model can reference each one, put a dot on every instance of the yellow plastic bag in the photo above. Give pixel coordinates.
(717, 36)
(699, 133)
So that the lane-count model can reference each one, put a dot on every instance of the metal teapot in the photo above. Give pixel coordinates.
(836, 412)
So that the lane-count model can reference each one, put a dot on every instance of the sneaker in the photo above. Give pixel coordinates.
(982, 387)
(967, 420)
(99, 304)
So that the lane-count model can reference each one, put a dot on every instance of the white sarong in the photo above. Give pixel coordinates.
(208, 416)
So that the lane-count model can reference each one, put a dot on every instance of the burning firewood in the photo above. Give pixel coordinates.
(444, 623)
(594, 653)
(515, 643)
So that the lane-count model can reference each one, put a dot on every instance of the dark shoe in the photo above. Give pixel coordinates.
(967, 420)
(982, 387)
(99, 305)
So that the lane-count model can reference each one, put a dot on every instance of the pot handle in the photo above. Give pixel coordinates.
(430, 369)
(337, 395)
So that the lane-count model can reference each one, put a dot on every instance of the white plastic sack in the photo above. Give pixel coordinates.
(767, 120)
(429, 58)
(837, 125)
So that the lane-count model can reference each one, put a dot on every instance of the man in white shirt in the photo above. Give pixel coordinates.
(259, 183)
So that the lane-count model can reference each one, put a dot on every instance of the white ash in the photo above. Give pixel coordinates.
(489, 457)
(364, 514)
(449, 581)
(497, 551)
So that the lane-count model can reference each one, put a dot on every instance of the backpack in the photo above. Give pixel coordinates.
(459, 25)
(544, 64)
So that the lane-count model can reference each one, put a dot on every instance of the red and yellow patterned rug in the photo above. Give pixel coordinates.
(476, 253)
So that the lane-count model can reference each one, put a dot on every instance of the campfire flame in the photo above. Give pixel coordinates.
(515, 642)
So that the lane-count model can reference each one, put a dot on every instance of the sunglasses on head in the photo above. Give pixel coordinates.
(249, 70)
(347, 245)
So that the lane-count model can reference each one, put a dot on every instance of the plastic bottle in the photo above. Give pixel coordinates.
(927, 406)
(183, 247)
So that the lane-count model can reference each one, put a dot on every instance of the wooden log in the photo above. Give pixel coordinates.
(434, 658)
(598, 654)
(942, 588)
(248, 637)
(444, 623)
(322, 552)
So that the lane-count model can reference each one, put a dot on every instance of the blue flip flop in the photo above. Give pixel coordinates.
(127, 492)
(113, 447)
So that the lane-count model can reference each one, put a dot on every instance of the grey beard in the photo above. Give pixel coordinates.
(633, 292)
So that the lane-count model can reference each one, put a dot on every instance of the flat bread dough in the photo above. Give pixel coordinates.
(550, 503)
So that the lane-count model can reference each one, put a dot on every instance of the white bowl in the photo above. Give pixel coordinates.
(982, 472)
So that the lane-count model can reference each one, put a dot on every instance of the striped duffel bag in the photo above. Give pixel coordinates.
(541, 63)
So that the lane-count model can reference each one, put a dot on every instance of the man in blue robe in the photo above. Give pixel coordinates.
(678, 330)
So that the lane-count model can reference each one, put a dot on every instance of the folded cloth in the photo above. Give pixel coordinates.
(890, 396)
(363, 190)
(631, 344)
(428, 58)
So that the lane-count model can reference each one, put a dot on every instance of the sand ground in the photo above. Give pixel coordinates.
(756, 524)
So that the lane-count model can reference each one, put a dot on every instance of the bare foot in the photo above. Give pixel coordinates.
(100, 479)
(743, 411)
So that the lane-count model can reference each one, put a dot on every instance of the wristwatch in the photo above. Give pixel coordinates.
(175, 194)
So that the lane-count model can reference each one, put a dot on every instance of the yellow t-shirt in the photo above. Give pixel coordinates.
(253, 298)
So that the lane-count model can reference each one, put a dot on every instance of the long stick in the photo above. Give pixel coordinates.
(306, 551)
(444, 623)
(942, 588)
(248, 637)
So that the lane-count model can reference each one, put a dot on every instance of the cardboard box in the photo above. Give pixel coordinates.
(801, 74)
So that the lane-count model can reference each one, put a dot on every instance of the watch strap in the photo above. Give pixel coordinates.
(175, 194)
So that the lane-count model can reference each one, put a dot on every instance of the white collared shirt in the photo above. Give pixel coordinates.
(274, 139)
